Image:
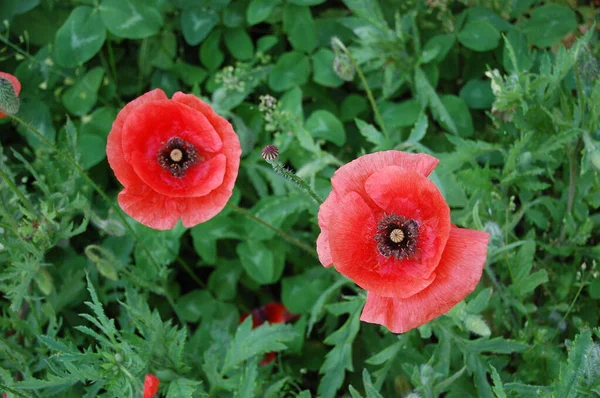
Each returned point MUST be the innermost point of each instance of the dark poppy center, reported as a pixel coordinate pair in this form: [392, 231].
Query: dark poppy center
[176, 156]
[397, 236]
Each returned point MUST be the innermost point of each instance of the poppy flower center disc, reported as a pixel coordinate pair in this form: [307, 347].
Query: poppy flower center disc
[397, 236]
[176, 156]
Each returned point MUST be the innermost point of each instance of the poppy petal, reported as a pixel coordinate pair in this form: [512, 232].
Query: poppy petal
[231, 144]
[325, 212]
[199, 209]
[146, 206]
[114, 150]
[411, 195]
[148, 129]
[457, 275]
[151, 384]
[352, 176]
[352, 230]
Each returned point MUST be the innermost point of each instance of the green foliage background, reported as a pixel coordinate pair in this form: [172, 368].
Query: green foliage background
[92, 301]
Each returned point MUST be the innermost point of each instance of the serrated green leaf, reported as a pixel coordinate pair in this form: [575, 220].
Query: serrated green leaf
[248, 342]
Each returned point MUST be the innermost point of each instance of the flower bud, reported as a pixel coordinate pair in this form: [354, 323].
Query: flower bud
[270, 153]
[342, 65]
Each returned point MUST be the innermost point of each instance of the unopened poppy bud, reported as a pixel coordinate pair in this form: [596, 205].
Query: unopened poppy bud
[270, 153]
[342, 65]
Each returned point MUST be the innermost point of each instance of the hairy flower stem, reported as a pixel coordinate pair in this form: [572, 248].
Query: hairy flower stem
[363, 80]
[278, 231]
[72, 163]
[282, 171]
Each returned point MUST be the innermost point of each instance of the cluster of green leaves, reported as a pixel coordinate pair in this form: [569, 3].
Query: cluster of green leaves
[486, 86]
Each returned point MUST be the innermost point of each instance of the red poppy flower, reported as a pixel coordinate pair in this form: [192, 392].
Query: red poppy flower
[387, 227]
[151, 384]
[15, 83]
[176, 158]
[273, 313]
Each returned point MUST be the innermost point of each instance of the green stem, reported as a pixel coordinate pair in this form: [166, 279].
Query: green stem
[370, 96]
[282, 171]
[278, 231]
[17, 192]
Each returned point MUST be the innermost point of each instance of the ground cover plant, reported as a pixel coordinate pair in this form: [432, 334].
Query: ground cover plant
[440, 118]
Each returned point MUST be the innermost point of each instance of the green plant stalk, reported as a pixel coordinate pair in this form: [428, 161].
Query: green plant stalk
[282, 171]
[278, 231]
[370, 96]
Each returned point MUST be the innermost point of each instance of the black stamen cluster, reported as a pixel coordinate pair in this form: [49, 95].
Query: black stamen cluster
[188, 158]
[403, 249]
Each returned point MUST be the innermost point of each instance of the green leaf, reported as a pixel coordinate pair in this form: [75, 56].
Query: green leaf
[9, 99]
[573, 373]
[324, 124]
[400, 114]
[196, 24]
[419, 129]
[306, 2]
[210, 54]
[498, 388]
[299, 293]
[323, 73]
[183, 388]
[239, 43]
[352, 107]
[428, 97]
[92, 149]
[549, 23]
[80, 98]
[162, 245]
[339, 359]
[528, 284]
[441, 45]
[292, 69]
[477, 94]
[479, 36]
[80, 37]
[480, 302]
[521, 50]
[460, 114]
[248, 342]
[130, 19]
[373, 135]
[300, 27]
[259, 10]
[257, 260]
[37, 114]
[497, 345]
[224, 279]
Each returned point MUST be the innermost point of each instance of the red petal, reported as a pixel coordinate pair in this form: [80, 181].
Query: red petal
[352, 176]
[410, 194]
[277, 313]
[114, 150]
[151, 384]
[148, 207]
[151, 126]
[325, 212]
[269, 357]
[352, 229]
[457, 275]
